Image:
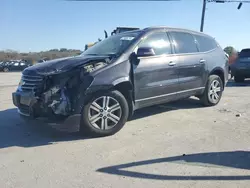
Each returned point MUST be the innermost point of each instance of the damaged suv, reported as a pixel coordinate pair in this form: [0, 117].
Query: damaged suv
[101, 88]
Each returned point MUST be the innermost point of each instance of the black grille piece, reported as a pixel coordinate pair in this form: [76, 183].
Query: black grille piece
[31, 83]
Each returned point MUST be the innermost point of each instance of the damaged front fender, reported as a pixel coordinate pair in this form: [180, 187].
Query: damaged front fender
[102, 80]
[61, 106]
[71, 94]
[111, 76]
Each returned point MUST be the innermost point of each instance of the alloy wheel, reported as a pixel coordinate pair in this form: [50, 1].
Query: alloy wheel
[104, 113]
[214, 91]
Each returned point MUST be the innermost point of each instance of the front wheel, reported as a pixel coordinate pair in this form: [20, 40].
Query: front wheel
[213, 91]
[105, 114]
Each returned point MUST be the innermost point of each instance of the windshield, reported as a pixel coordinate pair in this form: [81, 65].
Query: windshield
[113, 45]
[245, 53]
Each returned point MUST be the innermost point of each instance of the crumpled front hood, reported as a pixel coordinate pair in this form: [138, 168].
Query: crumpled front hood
[57, 66]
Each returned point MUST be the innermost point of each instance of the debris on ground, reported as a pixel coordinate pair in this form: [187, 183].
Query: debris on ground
[224, 110]
[238, 115]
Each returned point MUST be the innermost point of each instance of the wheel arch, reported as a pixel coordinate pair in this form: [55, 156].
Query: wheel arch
[127, 89]
[219, 72]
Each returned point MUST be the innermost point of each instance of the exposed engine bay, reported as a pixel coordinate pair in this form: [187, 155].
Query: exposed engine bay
[58, 94]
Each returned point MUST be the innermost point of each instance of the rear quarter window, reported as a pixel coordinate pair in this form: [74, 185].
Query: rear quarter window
[205, 43]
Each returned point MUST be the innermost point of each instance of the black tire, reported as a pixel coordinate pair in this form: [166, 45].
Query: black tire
[205, 98]
[5, 69]
[87, 128]
[238, 79]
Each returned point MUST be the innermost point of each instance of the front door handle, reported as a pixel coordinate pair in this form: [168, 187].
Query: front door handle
[171, 63]
[202, 61]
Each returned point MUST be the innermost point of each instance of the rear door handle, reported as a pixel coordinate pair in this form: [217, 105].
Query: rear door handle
[202, 61]
[171, 63]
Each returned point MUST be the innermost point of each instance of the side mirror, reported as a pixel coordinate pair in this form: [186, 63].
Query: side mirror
[145, 52]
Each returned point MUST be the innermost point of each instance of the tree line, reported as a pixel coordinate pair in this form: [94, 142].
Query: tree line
[8, 55]
[232, 53]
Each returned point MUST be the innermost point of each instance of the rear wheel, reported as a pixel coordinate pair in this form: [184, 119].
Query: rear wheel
[238, 78]
[213, 91]
[105, 114]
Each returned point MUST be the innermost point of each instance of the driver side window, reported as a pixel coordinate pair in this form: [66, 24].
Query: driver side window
[159, 42]
[16, 64]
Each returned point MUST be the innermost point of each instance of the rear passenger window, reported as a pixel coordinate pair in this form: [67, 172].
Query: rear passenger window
[205, 43]
[184, 42]
[159, 42]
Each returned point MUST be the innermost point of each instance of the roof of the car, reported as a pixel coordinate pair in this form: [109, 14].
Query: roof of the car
[155, 28]
[173, 28]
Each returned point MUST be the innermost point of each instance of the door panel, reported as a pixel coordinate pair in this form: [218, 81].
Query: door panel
[191, 72]
[192, 66]
[156, 77]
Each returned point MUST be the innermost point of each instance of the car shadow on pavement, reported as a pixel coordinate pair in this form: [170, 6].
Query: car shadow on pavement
[235, 159]
[232, 83]
[15, 131]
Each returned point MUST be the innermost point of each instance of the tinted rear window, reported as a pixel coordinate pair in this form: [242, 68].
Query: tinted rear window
[245, 53]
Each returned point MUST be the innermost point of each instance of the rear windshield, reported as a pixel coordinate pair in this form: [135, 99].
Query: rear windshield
[245, 53]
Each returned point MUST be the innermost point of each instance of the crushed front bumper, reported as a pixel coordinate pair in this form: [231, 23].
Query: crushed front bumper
[25, 102]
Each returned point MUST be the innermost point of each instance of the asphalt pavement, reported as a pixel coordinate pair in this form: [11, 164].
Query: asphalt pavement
[180, 144]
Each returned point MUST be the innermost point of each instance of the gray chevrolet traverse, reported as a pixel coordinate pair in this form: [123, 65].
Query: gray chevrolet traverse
[101, 88]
